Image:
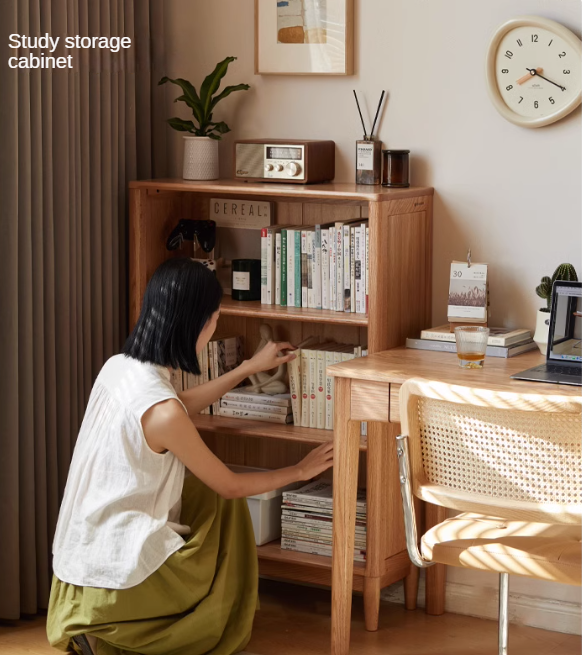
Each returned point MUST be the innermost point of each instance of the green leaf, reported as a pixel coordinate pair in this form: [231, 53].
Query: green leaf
[216, 137]
[227, 91]
[221, 128]
[181, 125]
[190, 96]
[212, 82]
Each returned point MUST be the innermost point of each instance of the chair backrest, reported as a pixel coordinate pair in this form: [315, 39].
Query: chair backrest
[504, 454]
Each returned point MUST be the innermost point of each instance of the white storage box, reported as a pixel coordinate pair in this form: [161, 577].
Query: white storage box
[265, 509]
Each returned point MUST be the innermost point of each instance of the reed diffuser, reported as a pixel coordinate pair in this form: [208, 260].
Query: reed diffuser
[368, 151]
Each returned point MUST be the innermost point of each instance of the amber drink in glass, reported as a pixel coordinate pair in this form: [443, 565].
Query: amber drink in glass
[471, 345]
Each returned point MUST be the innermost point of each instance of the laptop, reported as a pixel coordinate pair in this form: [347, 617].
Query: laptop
[564, 355]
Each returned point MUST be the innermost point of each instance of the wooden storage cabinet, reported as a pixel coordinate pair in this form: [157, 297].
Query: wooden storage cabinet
[400, 245]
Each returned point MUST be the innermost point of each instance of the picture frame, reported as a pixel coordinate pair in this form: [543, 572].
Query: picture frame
[304, 37]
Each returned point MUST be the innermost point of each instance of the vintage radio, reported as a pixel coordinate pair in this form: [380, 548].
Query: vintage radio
[277, 160]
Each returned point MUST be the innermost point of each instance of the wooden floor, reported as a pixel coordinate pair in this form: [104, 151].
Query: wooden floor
[295, 621]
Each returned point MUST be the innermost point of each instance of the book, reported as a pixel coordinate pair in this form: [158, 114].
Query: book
[305, 255]
[352, 269]
[324, 263]
[320, 493]
[367, 264]
[339, 267]
[332, 268]
[347, 269]
[292, 519]
[290, 244]
[491, 351]
[312, 386]
[497, 336]
[297, 268]
[304, 388]
[278, 268]
[205, 375]
[310, 265]
[320, 390]
[315, 549]
[265, 416]
[284, 267]
[329, 388]
[272, 232]
[294, 374]
[264, 258]
[242, 394]
[256, 407]
[317, 269]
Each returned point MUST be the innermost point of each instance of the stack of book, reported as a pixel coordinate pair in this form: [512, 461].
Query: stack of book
[312, 389]
[317, 266]
[306, 520]
[244, 404]
[502, 342]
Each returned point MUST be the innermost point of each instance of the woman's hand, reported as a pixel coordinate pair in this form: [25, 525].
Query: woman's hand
[268, 357]
[318, 461]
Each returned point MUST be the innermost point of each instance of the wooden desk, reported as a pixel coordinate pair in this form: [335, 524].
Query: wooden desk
[367, 389]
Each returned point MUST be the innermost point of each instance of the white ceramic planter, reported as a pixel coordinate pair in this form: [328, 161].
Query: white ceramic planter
[200, 158]
[542, 329]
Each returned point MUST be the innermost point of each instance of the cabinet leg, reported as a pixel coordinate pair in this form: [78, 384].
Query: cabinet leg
[371, 603]
[411, 588]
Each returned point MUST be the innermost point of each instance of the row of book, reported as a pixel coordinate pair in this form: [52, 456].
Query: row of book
[221, 354]
[306, 520]
[502, 342]
[319, 266]
[312, 389]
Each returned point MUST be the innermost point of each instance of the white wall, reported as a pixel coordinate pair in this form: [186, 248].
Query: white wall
[512, 194]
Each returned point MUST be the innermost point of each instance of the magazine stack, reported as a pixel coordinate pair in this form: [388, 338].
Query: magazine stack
[242, 403]
[306, 520]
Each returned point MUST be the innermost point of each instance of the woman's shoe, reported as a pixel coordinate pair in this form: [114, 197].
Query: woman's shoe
[83, 644]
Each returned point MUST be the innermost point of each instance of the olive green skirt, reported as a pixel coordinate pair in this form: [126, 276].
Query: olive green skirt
[201, 601]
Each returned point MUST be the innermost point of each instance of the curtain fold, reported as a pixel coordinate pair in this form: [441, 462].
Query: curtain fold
[71, 139]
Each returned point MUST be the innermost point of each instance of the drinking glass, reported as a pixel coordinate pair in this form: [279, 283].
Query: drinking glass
[471, 345]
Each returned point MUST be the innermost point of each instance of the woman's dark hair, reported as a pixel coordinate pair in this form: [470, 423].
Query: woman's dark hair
[178, 301]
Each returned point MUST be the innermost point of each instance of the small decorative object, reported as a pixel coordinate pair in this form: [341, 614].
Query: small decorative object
[471, 345]
[188, 229]
[201, 150]
[564, 272]
[468, 293]
[368, 151]
[269, 382]
[240, 212]
[396, 168]
[304, 37]
[246, 279]
[533, 71]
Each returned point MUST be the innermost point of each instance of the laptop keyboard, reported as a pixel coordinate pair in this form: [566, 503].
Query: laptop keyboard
[564, 370]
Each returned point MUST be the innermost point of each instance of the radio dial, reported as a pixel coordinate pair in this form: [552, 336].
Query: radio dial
[293, 169]
[268, 167]
[278, 168]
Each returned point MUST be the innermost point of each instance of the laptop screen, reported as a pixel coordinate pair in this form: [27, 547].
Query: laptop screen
[567, 333]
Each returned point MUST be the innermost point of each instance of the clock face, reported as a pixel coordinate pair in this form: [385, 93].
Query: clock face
[555, 64]
[534, 71]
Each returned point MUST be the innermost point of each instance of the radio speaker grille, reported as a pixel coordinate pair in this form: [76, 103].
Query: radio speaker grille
[250, 160]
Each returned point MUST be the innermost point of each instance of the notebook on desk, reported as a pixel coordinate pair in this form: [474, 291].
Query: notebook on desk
[564, 354]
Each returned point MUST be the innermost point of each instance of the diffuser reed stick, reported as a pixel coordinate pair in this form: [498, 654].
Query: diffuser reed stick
[376, 117]
[361, 117]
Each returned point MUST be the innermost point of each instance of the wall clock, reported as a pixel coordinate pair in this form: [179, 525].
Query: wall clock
[534, 71]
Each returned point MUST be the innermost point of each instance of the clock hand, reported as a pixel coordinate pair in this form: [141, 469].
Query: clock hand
[528, 76]
[534, 72]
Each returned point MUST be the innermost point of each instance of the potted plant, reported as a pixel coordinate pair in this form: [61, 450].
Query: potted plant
[565, 272]
[201, 149]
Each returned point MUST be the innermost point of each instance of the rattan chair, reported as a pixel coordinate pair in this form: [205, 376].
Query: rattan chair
[512, 464]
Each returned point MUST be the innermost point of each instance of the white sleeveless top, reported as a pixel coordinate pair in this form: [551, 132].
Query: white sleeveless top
[117, 521]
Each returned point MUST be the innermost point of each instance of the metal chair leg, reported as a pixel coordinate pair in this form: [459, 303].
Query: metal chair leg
[503, 612]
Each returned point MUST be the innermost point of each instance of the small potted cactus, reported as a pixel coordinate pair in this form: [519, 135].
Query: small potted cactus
[564, 272]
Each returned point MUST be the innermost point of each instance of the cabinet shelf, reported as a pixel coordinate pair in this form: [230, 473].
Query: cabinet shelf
[255, 309]
[247, 428]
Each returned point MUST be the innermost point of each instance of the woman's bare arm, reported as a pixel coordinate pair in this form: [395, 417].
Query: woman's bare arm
[166, 426]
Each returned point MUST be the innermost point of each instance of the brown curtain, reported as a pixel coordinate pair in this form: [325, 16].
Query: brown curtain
[70, 140]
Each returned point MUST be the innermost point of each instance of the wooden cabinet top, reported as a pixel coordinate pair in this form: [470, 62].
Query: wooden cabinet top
[329, 191]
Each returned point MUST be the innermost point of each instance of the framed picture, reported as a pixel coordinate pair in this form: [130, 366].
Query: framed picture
[304, 37]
